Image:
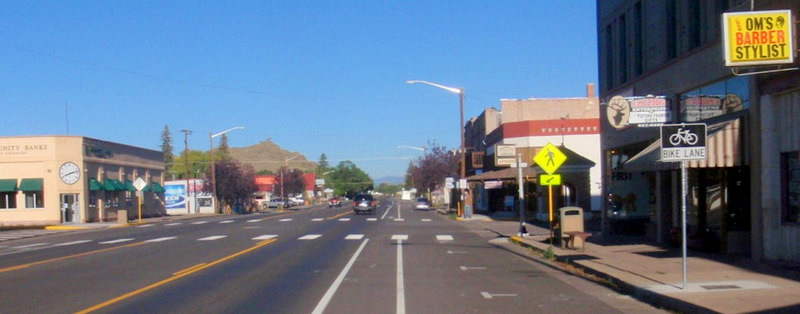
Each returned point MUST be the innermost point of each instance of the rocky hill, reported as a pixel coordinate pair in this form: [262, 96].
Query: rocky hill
[269, 156]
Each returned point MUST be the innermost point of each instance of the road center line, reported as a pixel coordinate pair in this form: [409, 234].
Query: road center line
[176, 275]
[323, 303]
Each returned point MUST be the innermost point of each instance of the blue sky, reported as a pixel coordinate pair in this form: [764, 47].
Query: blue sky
[313, 76]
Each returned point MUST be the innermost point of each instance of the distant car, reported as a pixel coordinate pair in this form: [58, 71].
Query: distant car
[297, 201]
[335, 201]
[364, 203]
[276, 202]
[422, 204]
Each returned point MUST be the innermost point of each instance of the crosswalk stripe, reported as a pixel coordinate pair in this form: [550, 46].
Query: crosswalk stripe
[444, 238]
[426, 220]
[226, 221]
[309, 237]
[285, 219]
[354, 237]
[144, 226]
[254, 220]
[344, 219]
[265, 237]
[174, 224]
[199, 222]
[400, 237]
[212, 238]
[372, 219]
[318, 219]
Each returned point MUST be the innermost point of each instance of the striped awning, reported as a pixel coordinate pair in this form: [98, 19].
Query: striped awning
[723, 149]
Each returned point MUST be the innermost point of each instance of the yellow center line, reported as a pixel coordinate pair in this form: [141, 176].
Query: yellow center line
[339, 215]
[66, 257]
[176, 276]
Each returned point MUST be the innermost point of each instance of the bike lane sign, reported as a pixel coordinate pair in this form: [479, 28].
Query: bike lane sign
[685, 141]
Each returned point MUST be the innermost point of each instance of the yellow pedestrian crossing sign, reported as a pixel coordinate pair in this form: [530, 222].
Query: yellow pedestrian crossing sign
[550, 158]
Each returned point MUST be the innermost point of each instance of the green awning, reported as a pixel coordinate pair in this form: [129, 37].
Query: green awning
[8, 185]
[95, 185]
[31, 185]
[157, 188]
[113, 185]
[129, 186]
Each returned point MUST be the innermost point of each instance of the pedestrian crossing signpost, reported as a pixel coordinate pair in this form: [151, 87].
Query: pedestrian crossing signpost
[683, 142]
[550, 158]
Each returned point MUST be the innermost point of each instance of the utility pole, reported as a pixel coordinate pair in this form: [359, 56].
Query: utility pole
[186, 134]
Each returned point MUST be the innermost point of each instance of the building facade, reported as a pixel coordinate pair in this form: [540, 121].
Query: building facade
[663, 62]
[524, 126]
[46, 180]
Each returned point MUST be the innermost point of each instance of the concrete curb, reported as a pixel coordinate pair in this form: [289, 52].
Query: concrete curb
[615, 283]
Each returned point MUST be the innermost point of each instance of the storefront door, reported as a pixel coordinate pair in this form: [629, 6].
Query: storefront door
[70, 212]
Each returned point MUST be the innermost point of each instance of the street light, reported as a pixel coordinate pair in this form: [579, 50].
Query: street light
[211, 137]
[286, 161]
[460, 92]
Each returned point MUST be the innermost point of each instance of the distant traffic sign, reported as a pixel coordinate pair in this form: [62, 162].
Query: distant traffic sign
[550, 158]
[681, 142]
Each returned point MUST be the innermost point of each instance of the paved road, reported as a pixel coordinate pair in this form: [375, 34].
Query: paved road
[313, 260]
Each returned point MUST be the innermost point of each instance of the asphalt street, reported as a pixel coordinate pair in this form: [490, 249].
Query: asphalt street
[314, 260]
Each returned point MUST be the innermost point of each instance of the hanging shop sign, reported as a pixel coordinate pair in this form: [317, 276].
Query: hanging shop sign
[758, 37]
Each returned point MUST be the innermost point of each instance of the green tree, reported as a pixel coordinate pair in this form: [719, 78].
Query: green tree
[323, 165]
[199, 163]
[388, 189]
[224, 150]
[348, 179]
[166, 148]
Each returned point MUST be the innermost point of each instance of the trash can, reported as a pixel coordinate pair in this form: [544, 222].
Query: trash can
[571, 221]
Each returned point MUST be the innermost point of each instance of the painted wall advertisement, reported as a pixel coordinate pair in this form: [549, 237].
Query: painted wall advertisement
[178, 200]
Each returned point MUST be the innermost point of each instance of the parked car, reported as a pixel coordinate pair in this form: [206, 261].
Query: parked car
[334, 201]
[276, 202]
[297, 201]
[364, 203]
[422, 204]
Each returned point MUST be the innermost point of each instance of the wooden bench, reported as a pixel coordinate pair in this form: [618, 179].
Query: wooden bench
[571, 235]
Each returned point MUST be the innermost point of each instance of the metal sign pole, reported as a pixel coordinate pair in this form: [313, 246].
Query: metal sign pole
[684, 193]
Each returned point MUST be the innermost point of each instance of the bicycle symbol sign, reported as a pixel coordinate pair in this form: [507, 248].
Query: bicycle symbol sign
[681, 142]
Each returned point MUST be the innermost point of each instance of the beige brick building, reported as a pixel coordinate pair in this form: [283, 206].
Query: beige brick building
[46, 180]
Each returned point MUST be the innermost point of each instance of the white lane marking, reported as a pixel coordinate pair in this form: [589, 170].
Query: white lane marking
[254, 220]
[116, 241]
[285, 219]
[309, 237]
[174, 224]
[426, 220]
[266, 237]
[212, 238]
[323, 303]
[398, 213]
[399, 219]
[472, 268]
[372, 219]
[161, 239]
[401, 290]
[354, 237]
[386, 212]
[199, 222]
[487, 295]
[456, 252]
[226, 221]
[30, 245]
[318, 219]
[400, 237]
[144, 226]
[444, 237]
[72, 243]
[344, 219]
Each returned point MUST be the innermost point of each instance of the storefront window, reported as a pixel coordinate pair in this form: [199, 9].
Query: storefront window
[34, 199]
[716, 99]
[790, 186]
[8, 200]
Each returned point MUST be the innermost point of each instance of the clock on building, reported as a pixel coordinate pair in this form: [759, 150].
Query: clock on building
[69, 173]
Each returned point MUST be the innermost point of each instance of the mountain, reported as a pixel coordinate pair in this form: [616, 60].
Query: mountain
[269, 156]
[389, 180]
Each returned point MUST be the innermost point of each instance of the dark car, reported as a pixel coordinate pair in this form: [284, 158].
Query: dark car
[335, 201]
[422, 204]
[364, 203]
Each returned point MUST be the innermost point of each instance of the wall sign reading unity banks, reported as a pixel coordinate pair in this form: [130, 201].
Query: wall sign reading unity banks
[681, 142]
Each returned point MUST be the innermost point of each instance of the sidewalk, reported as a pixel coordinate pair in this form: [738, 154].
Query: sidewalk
[654, 274]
